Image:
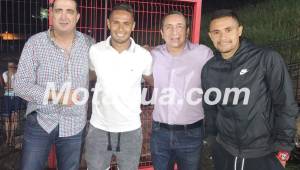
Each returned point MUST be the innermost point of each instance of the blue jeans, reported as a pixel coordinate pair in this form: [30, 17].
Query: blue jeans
[37, 143]
[180, 146]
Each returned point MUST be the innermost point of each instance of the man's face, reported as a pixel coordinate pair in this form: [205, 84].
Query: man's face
[120, 24]
[225, 33]
[11, 66]
[174, 31]
[65, 16]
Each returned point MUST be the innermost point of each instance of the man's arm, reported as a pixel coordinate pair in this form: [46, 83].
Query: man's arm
[210, 111]
[149, 80]
[147, 73]
[92, 75]
[25, 84]
[284, 105]
[5, 80]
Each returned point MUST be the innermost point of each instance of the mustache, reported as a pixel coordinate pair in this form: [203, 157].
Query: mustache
[220, 42]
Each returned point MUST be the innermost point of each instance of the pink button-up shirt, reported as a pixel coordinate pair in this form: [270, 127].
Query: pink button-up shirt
[177, 80]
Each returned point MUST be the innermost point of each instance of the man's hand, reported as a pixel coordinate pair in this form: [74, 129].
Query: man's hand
[149, 80]
[67, 99]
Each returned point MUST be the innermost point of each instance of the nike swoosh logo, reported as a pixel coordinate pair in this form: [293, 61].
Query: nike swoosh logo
[243, 71]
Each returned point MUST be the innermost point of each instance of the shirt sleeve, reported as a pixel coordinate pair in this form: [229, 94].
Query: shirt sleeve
[25, 81]
[91, 63]
[284, 105]
[5, 77]
[210, 111]
[148, 64]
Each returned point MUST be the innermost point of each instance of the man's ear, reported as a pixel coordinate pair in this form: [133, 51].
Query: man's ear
[187, 32]
[162, 33]
[240, 30]
[133, 26]
[209, 34]
[78, 17]
[108, 23]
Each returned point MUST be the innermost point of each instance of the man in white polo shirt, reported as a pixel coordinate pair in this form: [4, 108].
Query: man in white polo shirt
[120, 64]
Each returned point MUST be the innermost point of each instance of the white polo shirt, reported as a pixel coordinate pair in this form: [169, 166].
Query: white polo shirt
[117, 96]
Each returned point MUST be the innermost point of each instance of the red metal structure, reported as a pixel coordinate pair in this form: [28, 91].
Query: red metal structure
[148, 15]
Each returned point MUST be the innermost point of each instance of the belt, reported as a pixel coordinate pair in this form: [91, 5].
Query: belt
[181, 127]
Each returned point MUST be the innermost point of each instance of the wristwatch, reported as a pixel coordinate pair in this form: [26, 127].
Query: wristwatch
[283, 155]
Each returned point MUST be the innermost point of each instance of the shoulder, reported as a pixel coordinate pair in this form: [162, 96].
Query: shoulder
[5, 76]
[142, 52]
[37, 38]
[271, 57]
[212, 62]
[271, 53]
[100, 46]
[4, 73]
[201, 48]
[195, 46]
[199, 52]
[88, 39]
[139, 49]
[157, 49]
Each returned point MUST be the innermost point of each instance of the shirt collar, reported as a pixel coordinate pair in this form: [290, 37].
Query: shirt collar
[130, 49]
[51, 39]
[187, 46]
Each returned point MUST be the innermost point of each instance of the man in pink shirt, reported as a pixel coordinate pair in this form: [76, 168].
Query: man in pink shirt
[178, 114]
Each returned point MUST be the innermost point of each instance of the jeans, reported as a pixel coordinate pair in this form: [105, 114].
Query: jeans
[180, 146]
[37, 143]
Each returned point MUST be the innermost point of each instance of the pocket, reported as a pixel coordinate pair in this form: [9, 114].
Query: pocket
[196, 132]
[155, 126]
[90, 130]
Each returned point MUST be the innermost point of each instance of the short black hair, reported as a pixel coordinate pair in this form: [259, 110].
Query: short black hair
[224, 13]
[123, 7]
[174, 12]
[76, 5]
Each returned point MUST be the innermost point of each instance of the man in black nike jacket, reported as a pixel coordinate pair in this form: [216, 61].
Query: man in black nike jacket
[249, 102]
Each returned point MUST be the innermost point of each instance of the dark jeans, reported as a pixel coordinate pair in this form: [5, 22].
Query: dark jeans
[37, 143]
[223, 160]
[180, 146]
